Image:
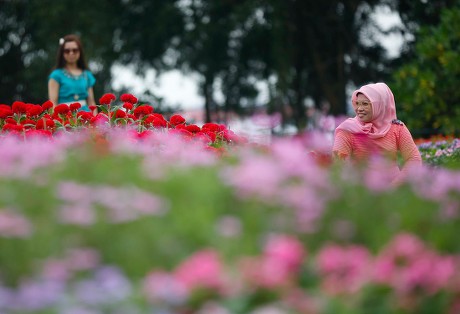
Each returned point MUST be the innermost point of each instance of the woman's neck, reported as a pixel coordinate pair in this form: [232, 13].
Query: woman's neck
[71, 66]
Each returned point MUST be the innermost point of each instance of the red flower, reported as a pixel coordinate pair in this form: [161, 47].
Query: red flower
[143, 134]
[92, 108]
[56, 118]
[106, 99]
[75, 106]
[128, 98]
[193, 128]
[99, 119]
[159, 116]
[120, 114]
[157, 122]
[44, 124]
[61, 109]
[13, 127]
[28, 121]
[128, 106]
[213, 127]
[19, 107]
[143, 110]
[230, 136]
[212, 135]
[85, 115]
[34, 110]
[10, 121]
[176, 119]
[203, 137]
[5, 112]
[38, 134]
[148, 119]
[47, 105]
[181, 131]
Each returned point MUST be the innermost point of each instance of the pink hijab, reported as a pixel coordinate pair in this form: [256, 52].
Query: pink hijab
[383, 110]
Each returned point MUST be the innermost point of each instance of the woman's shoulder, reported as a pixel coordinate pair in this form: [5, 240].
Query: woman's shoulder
[398, 128]
[397, 125]
[88, 72]
[57, 70]
[397, 122]
[90, 77]
[56, 74]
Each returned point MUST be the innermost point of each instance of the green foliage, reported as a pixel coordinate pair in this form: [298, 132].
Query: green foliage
[441, 153]
[198, 200]
[426, 89]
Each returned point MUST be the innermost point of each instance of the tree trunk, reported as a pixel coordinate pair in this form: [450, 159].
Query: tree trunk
[208, 99]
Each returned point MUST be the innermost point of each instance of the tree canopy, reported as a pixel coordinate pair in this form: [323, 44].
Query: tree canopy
[427, 87]
[302, 50]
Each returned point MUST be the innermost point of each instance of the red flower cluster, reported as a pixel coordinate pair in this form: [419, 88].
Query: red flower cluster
[177, 119]
[142, 110]
[22, 118]
[128, 98]
[107, 99]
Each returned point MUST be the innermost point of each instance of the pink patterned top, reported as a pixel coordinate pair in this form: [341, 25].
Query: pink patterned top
[361, 147]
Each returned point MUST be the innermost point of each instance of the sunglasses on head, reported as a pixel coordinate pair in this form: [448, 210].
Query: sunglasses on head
[73, 50]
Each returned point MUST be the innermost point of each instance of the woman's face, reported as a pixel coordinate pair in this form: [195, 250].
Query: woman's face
[71, 52]
[363, 108]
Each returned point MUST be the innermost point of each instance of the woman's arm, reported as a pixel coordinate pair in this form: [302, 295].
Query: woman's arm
[53, 91]
[342, 148]
[90, 100]
[409, 150]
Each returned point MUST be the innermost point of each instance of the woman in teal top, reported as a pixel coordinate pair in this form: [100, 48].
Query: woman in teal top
[71, 81]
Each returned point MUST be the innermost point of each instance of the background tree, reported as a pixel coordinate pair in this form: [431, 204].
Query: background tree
[427, 87]
[303, 50]
[111, 32]
[33, 29]
[317, 49]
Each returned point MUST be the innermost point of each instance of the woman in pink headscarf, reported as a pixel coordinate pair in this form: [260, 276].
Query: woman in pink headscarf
[375, 130]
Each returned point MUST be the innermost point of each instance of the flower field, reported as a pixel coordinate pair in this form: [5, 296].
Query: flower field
[132, 212]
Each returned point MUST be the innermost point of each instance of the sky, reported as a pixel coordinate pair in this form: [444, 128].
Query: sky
[182, 90]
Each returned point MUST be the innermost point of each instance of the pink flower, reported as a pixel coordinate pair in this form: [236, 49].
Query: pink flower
[77, 215]
[407, 265]
[82, 259]
[161, 286]
[286, 250]
[344, 269]
[56, 269]
[265, 272]
[256, 176]
[14, 225]
[201, 270]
